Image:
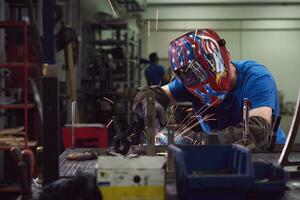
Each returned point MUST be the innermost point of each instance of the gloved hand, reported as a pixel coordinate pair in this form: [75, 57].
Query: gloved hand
[259, 129]
[161, 103]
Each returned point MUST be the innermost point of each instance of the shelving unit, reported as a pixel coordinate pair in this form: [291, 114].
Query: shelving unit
[114, 37]
[20, 66]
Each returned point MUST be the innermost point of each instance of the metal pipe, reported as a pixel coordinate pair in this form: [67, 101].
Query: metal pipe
[73, 113]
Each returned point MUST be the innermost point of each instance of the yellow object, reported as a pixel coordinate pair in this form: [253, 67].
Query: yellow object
[138, 178]
[132, 192]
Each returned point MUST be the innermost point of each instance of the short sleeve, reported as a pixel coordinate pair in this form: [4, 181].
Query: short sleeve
[262, 91]
[178, 91]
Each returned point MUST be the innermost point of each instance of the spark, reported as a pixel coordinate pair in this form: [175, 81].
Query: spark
[112, 8]
[109, 123]
[195, 34]
[173, 111]
[198, 113]
[109, 100]
[189, 138]
[186, 129]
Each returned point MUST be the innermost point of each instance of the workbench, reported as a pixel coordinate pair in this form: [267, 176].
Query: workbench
[71, 168]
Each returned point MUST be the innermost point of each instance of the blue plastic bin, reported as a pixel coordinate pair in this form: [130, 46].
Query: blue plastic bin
[269, 181]
[213, 172]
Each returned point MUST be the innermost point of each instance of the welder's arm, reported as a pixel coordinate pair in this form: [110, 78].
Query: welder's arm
[264, 112]
[167, 91]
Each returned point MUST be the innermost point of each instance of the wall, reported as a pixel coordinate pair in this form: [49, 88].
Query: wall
[269, 34]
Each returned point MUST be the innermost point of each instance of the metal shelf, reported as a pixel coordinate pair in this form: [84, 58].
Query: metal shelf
[10, 24]
[12, 188]
[15, 65]
[114, 42]
[31, 144]
[17, 106]
[24, 26]
[107, 25]
[109, 42]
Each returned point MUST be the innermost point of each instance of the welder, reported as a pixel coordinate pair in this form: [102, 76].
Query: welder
[206, 77]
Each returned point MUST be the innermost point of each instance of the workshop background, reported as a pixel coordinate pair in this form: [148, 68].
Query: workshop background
[94, 53]
[266, 31]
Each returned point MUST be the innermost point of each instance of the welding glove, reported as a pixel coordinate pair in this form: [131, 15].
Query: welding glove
[161, 103]
[259, 129]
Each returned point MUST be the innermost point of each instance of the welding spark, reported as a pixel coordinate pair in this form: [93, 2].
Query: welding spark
[186, 124]
[187, 137]
[189, 109]
[109, 100]
[189, 127]
[109, 123]
[173, 111]
[195, 34]
[112, 8]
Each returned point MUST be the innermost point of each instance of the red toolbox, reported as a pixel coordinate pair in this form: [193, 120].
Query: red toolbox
[85, 136]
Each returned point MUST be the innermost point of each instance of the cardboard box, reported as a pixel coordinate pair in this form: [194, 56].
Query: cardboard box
[131, 178]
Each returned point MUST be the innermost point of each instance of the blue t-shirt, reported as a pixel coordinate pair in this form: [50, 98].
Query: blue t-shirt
[254, 82]
[154, 74]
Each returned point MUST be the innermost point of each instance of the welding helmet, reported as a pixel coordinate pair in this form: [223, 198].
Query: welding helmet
[201, 61]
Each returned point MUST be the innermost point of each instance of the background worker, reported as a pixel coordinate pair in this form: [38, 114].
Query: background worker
[215, 85]
[154, 73]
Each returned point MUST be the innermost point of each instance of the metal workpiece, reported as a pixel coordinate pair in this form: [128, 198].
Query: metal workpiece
[170, 160]
[150, 125]
[246, 107]
[73, 113]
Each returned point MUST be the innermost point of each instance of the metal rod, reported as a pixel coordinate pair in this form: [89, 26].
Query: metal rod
[112, 8]
[156, 20]
[148, 28]
[150, 125]
[73, 113]
[246, 119]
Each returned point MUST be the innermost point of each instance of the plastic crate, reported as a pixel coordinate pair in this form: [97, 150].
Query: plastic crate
[269, 181]
[212, 171]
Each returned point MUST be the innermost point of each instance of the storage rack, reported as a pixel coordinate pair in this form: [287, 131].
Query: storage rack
[122, 36]
[20, 66]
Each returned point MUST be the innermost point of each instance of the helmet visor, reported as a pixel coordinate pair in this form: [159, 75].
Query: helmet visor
[193, 74]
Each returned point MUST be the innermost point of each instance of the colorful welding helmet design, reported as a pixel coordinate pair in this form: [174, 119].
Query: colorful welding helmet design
[201, 62]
